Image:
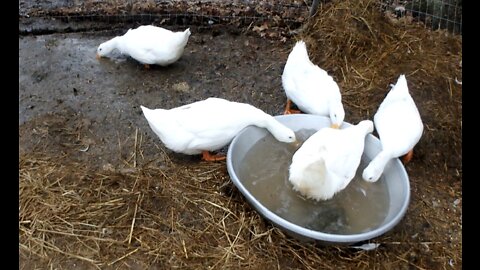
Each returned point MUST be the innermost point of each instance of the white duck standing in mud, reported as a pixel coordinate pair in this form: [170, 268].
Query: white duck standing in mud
[148, 44]
[209, 125]
[399, 127]
[328, 160]
[310, 87]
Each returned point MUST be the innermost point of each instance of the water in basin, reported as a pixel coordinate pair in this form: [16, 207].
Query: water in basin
[360, 207]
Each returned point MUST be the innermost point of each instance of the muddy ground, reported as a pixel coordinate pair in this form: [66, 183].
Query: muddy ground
[89, 164]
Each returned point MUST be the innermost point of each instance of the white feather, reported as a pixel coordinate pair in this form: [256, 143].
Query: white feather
[328, 160]
[310, 87]
[210, 124]
[148, 44]
[399, 126]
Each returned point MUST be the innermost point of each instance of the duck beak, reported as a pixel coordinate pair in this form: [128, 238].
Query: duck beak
[98, 56]
[335, 126]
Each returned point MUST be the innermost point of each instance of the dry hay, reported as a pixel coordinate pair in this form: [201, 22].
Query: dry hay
[188, 217]
[149, 214]
[172, 217]
[365, 50]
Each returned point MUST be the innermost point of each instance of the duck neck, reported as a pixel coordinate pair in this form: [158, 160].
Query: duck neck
[381, 160]
[273, 126]
[111, 45]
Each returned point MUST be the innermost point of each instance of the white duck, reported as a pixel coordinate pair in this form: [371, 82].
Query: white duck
[148, 44]
[399, 127]
[328, 160]
[209, 125]
[310, 87]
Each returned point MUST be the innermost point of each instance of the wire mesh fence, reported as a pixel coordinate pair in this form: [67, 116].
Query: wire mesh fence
[435, 14]
[203, 13]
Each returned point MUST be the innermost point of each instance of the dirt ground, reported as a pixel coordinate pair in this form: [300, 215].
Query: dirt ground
[98, 190]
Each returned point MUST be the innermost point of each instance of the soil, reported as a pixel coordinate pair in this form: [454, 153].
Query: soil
[80, 123]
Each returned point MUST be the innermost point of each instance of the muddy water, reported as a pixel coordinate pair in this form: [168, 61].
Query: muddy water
[358, 208]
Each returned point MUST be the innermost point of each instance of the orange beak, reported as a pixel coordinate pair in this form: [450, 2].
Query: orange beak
[98, 56]
[335, 126]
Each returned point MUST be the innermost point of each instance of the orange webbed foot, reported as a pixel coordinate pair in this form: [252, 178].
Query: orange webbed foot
[209, 157]
[407, 157]
[292, 112]
[288, 110]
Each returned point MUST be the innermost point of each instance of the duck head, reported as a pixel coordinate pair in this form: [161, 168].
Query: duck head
[337, 114]
[107, 47]
[284, 134]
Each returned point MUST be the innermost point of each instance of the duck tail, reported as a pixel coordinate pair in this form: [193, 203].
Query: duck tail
[299, 51]
[187, 32]
[144, 109]
[367, 126]
[157, 118]
[401, 82]
[148, 113]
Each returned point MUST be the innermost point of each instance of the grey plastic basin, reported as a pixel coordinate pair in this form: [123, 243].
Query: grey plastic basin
[395, 175]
